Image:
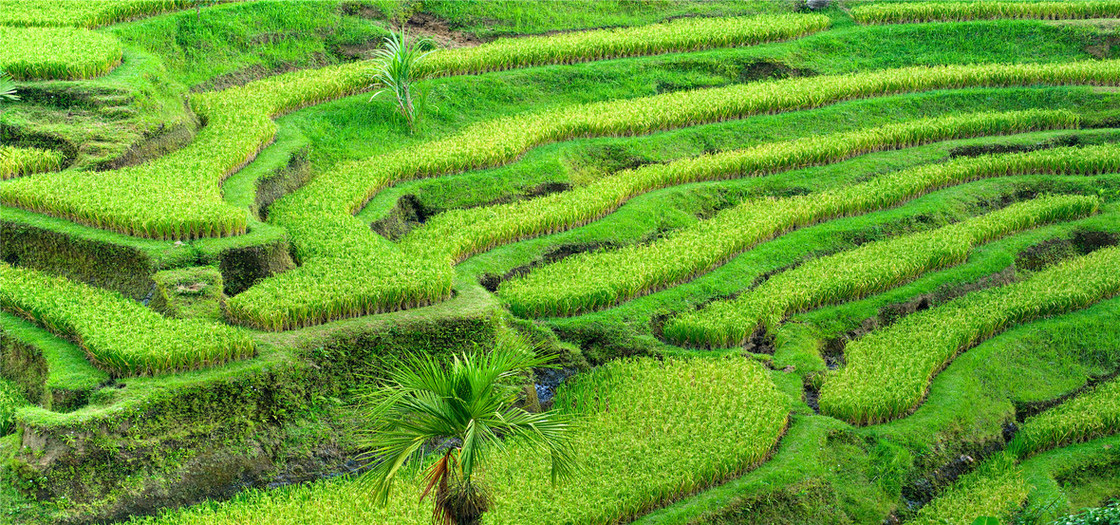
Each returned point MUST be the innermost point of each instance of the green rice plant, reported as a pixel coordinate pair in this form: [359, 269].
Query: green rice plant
[687, 34]
[1090, 415]
[905, 12]
[10, 399]
[118, 334]
[17, 161]
[645, 431]
[178, 196]
[869, 269]
[888, 371]
[40, 53]
[86, 13]
[592, 281]
[319, 215]
[996, 488]
[462, 233]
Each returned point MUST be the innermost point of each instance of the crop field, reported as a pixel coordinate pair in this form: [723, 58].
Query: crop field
[511, 262]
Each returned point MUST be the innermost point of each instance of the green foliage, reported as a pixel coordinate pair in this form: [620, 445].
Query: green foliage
[398, 66]
[645, 431]
[937, 11]
[470, 401]
[889, 370]
[1107, 515]
[1092, 414]
[87, 13]
[41, 53]
[10, 400]
[461, 233]
[591, 281]
[995, 488]
[869, 269]
[18, 161]
[686, 34]
[118, 334]
[336, 248]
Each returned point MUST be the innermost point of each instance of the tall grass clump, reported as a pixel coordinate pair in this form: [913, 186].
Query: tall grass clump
[996, 488]
[396, 72]
[1090, 415]
[888, 371]
[118, 334]
[934, 11]
[43, 53]
[318, 216]
[869, 269]
[19, 161]
[591, 281]
[461, 233]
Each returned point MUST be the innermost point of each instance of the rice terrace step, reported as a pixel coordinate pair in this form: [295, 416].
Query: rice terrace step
[511, 262]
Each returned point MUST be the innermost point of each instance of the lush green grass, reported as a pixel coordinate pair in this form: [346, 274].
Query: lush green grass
[1062, 479]
[870, 269]
[118, 334]
[1090, 415]
[68, 372]
[888, 371]
[936, 11]
[591, 281]
[648, 432]
[465, 232]
[996, 489]
[10, 399]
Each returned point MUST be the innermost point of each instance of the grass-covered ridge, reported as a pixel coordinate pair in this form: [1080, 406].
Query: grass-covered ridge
[869, 269]
[592, 281]
[941, 11]
[888, 371]
[119, 335]
[649, 432]
[329, 239]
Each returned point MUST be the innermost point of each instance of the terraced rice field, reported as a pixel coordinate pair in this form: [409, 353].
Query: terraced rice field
[854, 263]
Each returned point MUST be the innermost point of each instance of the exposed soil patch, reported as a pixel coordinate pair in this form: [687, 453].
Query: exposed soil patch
[254, 72]
[548, 380]
[976, 150]
[769, 69]
[1052, 251]
[760, 342]
[492, 281]
[812, 393]
[440, 31]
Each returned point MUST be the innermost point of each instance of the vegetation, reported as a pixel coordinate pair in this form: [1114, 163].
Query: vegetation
[57, 53]
[397, 69]
[645, 431]
[1088, 416]
[119, 335]
[996, 488]
[592, 281]
[871, 268]
[937, 11]
[87, 14]
[15, 161]
[794, 268]
[888, 371]
[469, 407]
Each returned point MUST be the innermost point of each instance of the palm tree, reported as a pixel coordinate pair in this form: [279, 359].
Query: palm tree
[7, 93]
[397, 68]
[458, 414]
